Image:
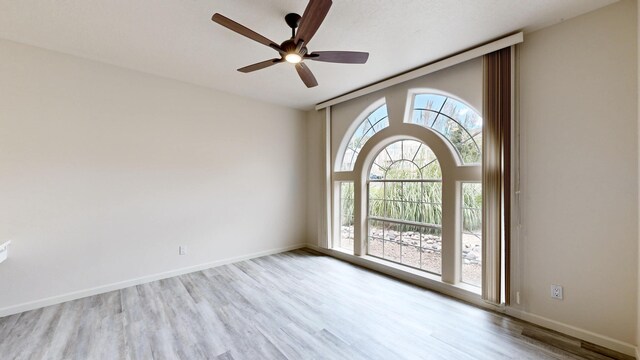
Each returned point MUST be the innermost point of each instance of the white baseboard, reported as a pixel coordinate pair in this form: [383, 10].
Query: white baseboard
[53, 300]
[582, 334]
[424, 281]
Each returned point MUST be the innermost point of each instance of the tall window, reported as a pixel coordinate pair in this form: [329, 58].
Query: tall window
[405, 206]
[346, 215]
[471, 234]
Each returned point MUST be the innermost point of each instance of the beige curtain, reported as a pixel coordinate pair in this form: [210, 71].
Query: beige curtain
[496, 172]
[325, 213]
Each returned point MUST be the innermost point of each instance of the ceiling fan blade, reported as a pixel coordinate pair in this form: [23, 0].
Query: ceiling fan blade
[260, 65]
[306, 75]
[312, 18]
[244, 31]
[343, 57]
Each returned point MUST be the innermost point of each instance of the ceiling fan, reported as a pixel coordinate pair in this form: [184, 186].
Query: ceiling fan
[295, 49]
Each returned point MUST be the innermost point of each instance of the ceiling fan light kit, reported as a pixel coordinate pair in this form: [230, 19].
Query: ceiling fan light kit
[294, 50]
[293, 58]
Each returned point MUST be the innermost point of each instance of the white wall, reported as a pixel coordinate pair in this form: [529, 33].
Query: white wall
[578, 83]
[105, 171]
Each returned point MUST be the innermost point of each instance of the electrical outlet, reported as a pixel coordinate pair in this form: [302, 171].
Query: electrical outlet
[556, 292]
[182, 250]
[518, 297]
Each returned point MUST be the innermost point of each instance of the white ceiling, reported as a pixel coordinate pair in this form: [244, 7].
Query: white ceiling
[178, 40]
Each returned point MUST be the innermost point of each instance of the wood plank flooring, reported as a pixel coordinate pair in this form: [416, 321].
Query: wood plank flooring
[294, 305]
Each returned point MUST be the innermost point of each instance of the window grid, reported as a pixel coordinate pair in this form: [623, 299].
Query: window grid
[418, 247]
[404, 219]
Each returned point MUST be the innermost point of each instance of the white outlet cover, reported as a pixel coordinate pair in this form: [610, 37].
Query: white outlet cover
[4, 251]
[182, 250]
[556, 292]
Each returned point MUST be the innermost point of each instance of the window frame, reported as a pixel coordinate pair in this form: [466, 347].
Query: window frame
[453, 171]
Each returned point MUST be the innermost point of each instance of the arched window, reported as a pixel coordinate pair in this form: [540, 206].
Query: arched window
[454, 120]
[405, 206]
[413, 196]
[374, 122]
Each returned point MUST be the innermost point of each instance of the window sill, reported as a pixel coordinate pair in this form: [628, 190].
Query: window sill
[344, 251]
[421, 278]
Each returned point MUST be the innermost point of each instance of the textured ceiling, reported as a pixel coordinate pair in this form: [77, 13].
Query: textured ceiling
[178, 40]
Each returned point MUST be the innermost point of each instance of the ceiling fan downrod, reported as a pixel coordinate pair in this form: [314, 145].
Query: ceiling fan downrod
[293, 20]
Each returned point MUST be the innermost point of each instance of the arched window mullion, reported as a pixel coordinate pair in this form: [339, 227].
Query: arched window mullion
[471, 138]
[439, 112]
[380, 120]
[388, 154]
[370, 124]
[401, 160]
[353, 155]
[461, 126]
[416, 154]
[429, 163]
[425, 109]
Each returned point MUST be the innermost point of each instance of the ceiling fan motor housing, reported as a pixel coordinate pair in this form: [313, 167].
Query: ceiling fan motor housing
[290, 47]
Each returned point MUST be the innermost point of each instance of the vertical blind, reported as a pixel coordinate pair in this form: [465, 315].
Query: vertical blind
[496, 171]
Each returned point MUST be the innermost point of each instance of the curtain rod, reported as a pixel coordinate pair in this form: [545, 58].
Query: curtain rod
[428, 69]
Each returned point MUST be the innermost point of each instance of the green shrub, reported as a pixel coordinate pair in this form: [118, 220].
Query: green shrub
[414, 201]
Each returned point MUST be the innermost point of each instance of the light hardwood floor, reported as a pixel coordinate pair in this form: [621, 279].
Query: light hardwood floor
[295, 305]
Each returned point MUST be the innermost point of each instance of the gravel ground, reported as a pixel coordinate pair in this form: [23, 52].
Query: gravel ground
[406, 248]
